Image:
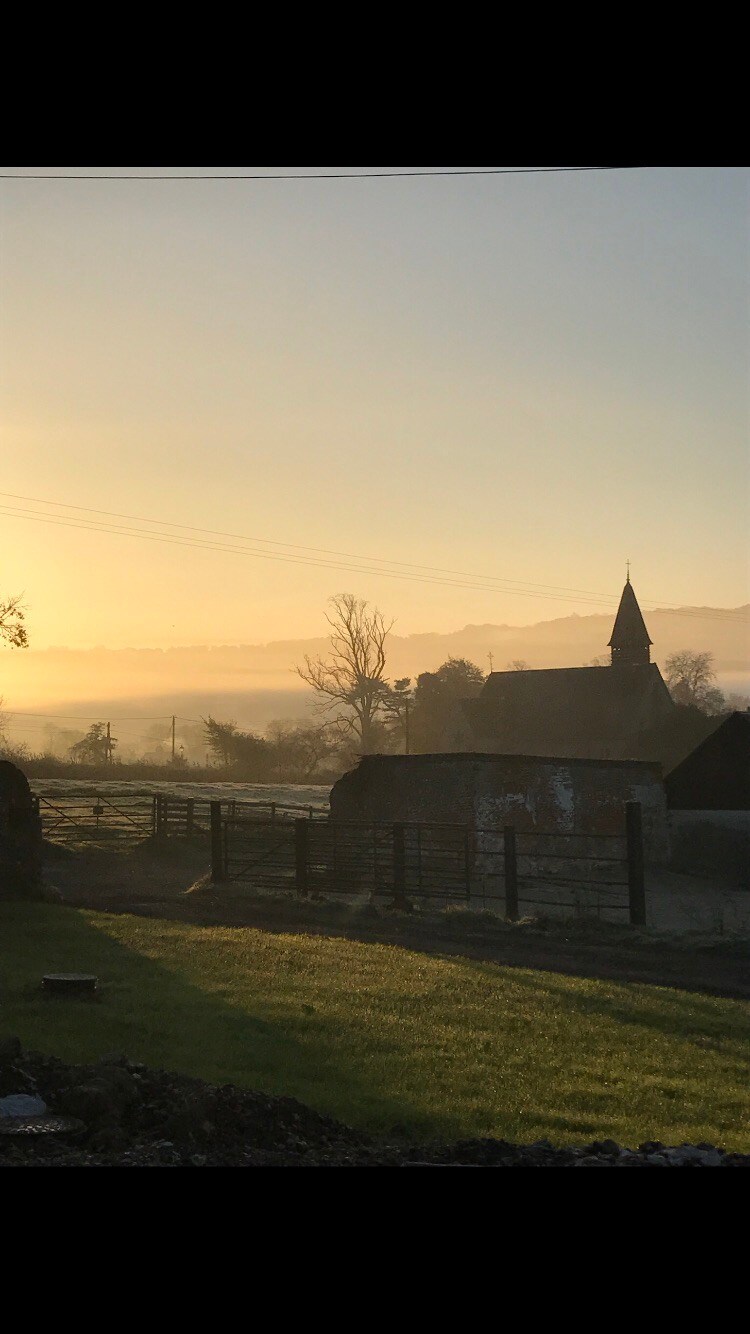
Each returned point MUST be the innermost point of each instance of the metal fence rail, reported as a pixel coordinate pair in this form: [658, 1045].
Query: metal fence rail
[98, 819]
[95, 819]
[269, 846]
[503, 868]
[583, 870]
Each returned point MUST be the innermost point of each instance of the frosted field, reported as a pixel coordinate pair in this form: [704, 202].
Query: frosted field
[284, 794]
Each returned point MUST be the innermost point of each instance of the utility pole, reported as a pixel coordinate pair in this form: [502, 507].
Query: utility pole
[109, 745]
[173, 723]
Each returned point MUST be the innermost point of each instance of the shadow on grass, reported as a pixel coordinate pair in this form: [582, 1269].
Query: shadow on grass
[150, 1011]
[373, 1038]
[672, 1013]
[574, 949]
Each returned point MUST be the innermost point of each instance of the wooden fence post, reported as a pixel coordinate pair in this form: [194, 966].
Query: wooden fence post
[301, 831]
[511, 874]
[399, 866]
[636, 880]
[218, 867]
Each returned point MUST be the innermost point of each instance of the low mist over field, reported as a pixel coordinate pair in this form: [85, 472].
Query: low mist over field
[256, 683]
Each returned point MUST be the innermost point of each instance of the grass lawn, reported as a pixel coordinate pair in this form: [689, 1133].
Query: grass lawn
[383, 1038]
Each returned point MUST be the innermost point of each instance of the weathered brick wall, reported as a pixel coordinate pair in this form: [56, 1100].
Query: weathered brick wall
[488, 791]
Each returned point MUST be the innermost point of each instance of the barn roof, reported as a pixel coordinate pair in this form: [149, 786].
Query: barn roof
[716, 775]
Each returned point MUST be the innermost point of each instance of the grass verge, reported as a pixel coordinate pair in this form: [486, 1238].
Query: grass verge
[384, 1038]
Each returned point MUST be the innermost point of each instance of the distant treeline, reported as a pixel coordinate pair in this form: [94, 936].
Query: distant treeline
[406, 718]
[410, 718]
[126, 771]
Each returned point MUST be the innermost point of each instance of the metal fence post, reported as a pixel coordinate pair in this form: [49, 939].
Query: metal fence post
[218, 869]
[467, 861]
[636, 880]
[511, 874]
[301, 831]
[399, 866]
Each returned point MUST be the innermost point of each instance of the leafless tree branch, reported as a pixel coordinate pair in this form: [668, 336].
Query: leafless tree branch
[12, 628]
[353, 675]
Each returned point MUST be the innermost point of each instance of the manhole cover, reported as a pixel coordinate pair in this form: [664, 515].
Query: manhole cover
[70, 984]
[26, 1126]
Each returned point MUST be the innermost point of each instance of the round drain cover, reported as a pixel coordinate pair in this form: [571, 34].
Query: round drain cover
[70, 984]
[27, 1126]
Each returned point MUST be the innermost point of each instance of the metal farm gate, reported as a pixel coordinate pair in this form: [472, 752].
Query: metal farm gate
[249, 845]
[495, 868]
[93, 819]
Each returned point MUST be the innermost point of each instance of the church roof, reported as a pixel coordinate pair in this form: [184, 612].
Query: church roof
[629, 627]
[569, 710]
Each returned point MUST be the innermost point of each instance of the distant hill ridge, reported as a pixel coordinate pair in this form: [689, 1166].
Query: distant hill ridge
[255, 682]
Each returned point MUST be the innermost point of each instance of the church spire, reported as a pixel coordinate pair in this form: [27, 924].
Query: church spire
[630, 643]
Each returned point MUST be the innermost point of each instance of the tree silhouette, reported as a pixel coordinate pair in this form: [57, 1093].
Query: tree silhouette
[690, 677]
[12, 617]
[435, 696]
[351, 683]
[95, 748]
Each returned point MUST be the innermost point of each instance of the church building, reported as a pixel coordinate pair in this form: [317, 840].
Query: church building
[579, 712]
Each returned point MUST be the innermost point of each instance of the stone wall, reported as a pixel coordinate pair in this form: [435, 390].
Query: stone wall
[565, 796]
[20, 836]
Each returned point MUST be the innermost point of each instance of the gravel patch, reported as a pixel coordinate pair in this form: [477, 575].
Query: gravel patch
[119, 1113]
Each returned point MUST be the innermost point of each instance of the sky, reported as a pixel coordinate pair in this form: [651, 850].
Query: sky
[528, 378]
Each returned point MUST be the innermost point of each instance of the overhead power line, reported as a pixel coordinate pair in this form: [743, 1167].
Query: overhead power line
[26, 728]
[95, 717]
[288, 547]
[301, 175]
[474, 582]
[504, 584]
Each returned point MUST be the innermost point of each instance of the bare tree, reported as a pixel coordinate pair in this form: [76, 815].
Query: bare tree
[690, 677]
[351, 684]
[517, 665]
[12, 628]
[244, 752]
[301, 748]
